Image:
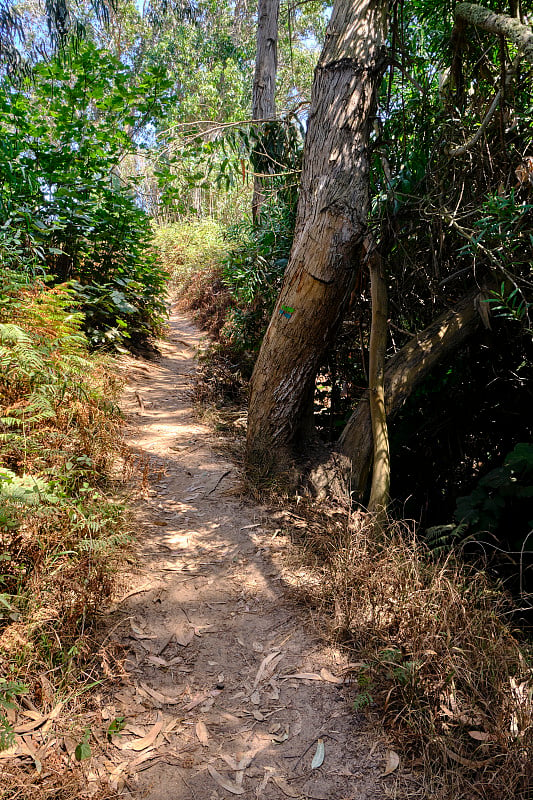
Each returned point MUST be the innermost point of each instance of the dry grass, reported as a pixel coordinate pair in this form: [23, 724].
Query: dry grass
[62, 527]
[57, 782]
[435, 652]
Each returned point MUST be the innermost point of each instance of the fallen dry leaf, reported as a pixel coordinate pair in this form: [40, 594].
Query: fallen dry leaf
[32, 714]
[268, 660]
[225, 783]
[145, 741]
[479, 736]
[51, 717]
[135, 729]
[159, 696]
[262, 786]
[173, 724]
[185, 636]
[246, 761]
[108, 712]
[149, 754]
[467, 762]
[391, 763]
[197, 699]
[296, 727]
[139, 633]
[305, 676]
[202, 733]
[275, 690]
[31, 726]
[328, 676]
[27, 747]
[230, 761]
[157, 661]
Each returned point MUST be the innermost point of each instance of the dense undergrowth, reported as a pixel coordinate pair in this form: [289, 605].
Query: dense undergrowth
[434, 649]
[60, 522]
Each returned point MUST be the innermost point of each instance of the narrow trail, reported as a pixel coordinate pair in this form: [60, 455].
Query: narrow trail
[213, 693]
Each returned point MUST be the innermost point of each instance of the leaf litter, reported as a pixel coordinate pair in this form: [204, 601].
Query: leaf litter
[139, 746]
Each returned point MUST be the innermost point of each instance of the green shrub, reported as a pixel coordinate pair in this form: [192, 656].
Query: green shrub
[501, 504]
[253, 272]
[65, 208]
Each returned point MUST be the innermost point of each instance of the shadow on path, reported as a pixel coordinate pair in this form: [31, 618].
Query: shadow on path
[213, 696]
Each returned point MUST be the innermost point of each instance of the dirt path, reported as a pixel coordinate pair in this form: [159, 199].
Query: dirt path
[213, 694]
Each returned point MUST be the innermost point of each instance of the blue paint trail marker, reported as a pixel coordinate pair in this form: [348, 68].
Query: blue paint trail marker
[286, 311]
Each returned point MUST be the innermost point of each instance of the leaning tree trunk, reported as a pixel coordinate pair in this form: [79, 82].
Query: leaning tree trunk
[264, 87]
[349, 467]
[500, 24]
[329, 231]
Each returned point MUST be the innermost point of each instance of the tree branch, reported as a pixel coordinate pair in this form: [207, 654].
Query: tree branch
[464, 148]
[499, 24]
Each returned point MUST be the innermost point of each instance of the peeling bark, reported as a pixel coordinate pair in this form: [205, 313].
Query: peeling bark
[330, 228]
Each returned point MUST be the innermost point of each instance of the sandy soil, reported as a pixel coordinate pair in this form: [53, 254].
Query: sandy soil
[215, 695]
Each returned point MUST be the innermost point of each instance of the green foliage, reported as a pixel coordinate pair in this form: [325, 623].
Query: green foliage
[9, 691]
[116, 726]
[501, 503]
[503, 235]
[83, 748]
[441, 538]
[510, 305]
[230, 278]
[205, 162]
[185, 249]
[362, 700]
[486, 506]
[64, 207]
[253, 272]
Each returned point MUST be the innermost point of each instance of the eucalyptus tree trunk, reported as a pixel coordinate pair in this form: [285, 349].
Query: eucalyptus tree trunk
[264, 86]
[329, 232]
[499, 24]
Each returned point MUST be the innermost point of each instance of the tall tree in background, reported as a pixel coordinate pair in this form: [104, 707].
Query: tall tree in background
[329, 234]
[264, 86]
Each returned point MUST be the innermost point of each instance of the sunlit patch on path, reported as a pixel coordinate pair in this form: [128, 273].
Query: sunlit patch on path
[225, 691]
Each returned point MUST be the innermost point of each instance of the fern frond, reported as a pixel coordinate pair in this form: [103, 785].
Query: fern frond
[13, 334]
[441, 538]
